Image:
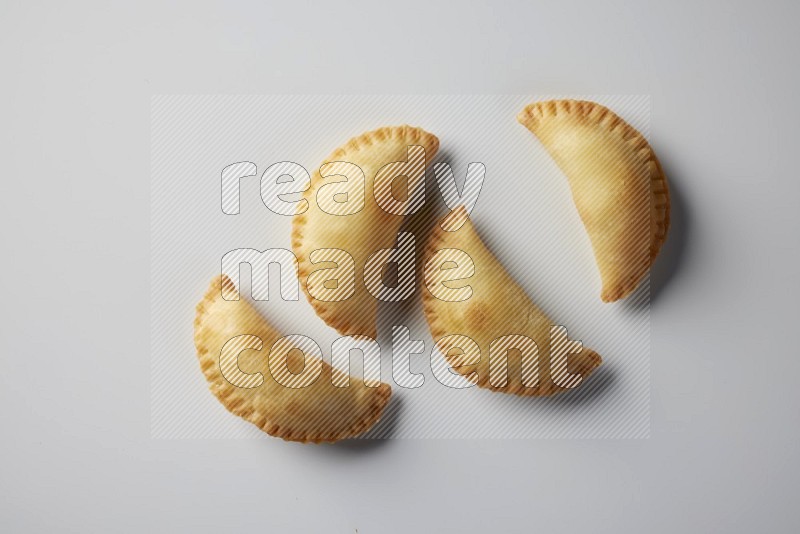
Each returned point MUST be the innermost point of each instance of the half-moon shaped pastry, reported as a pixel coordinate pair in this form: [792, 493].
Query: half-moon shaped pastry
[617, 184]
[493, 325]
[224, 330]
[359, 229]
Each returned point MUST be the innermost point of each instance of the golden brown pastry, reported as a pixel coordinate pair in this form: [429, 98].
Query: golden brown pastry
[617, 184]
[476, 313]
[233, 345]
[338, 219]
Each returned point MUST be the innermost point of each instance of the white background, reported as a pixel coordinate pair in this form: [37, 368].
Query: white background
[76, 453]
